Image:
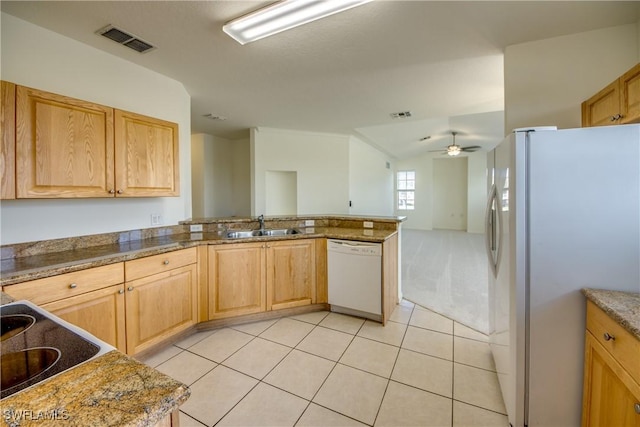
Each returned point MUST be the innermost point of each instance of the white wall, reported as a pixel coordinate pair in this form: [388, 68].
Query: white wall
[320, 160]
[547, 80]
[370, 181]
[212, 176]
[281, 193]
[450, 193]
[35, 57]
[422, 218]
[241, 179]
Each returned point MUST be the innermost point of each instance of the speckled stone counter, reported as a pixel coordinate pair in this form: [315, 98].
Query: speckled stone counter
[36, 260]
[111, 390]
[623, 307]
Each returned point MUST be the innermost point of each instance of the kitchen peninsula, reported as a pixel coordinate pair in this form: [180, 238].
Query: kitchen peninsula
[121, 273]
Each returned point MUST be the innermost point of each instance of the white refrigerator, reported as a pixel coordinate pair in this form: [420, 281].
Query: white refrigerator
[563, 214]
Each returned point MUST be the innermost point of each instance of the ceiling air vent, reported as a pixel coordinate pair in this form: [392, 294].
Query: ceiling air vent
[401, 115]
[126, 39]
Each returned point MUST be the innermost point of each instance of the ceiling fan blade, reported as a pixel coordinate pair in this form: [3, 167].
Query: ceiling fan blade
[471, 148]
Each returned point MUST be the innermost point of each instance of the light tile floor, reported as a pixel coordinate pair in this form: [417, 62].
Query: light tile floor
[329, 369]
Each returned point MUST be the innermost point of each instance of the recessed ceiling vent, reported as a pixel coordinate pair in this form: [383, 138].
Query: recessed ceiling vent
[401, 115]
[212, 116]
[126, 39]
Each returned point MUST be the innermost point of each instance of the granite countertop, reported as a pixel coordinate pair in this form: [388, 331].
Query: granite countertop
[21, 269]
[112, 389]
[623, 307]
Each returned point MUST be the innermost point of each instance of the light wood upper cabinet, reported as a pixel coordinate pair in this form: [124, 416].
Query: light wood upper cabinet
[236, 279]
[64, 146]
[7, 140]
[611, 392]
[146, 156]
[602, 108]
[291, 274]
[630, 95]
[617, 103]
[70, 148]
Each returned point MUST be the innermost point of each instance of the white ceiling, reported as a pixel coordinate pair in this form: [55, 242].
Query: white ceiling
[343, 74]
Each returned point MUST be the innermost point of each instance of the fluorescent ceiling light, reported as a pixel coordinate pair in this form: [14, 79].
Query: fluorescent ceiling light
[283, 16]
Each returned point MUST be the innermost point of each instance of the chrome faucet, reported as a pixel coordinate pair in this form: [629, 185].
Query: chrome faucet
[261, 220]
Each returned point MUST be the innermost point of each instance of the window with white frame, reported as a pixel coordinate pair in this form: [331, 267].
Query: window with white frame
[405, 188]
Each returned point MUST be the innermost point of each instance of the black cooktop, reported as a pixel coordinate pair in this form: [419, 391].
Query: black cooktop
[36, 347]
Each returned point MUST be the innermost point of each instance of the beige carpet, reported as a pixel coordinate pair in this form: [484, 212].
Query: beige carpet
[446, 271]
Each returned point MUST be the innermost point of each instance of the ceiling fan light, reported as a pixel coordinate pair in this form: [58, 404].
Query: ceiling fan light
[453, 150]
[283, 16]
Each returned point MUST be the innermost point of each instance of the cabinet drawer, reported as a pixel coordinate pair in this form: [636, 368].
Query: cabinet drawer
[158, 263]
[624, 347]
[67, 285]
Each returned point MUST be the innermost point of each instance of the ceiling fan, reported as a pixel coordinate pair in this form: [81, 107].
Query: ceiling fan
[454, 149]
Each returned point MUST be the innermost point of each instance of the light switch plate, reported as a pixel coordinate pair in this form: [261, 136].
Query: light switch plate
[194, 228]
[309, 222]
[367, 224]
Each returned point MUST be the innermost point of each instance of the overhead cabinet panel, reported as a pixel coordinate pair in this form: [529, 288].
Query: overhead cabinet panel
[146, 156]
[7, 140]
[64, 146]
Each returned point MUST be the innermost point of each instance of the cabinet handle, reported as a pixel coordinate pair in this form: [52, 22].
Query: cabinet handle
[119, 191]
[73, 286]
[112, 191]
[636, 407]
[121, 291]
[609, 337]
[130, 288]
[616, 117]
[165, 262]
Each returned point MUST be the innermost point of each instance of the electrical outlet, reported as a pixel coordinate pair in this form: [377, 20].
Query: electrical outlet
[156, 219]
[195, 228]
[367, 224]
[309, 222]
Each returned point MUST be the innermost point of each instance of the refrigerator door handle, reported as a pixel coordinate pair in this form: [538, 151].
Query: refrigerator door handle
[493, 230]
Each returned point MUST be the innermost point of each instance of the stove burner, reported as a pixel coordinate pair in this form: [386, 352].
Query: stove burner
[20, 366]
[15, 324]
[35, 347]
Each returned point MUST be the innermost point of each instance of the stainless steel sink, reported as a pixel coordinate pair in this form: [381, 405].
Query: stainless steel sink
[281, 232]
[240, 234]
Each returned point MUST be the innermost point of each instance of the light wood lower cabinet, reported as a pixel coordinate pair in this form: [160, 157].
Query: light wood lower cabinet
[159, 306]
[611, 382]
[246, 278]
[92, 299]
[236, 280]
[291, 273]
[100, 313]
[161, 297]
[158, 299]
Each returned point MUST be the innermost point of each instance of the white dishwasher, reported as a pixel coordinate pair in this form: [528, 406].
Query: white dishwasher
[355, 278]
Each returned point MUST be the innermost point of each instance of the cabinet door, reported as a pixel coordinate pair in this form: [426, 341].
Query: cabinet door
[7, 140]
[160, 306]
[100, 313]
[64, 146]
[630, 95]
[146, 156]
[236, 279]
[610, 394]
[291, 274]
[602, 108]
